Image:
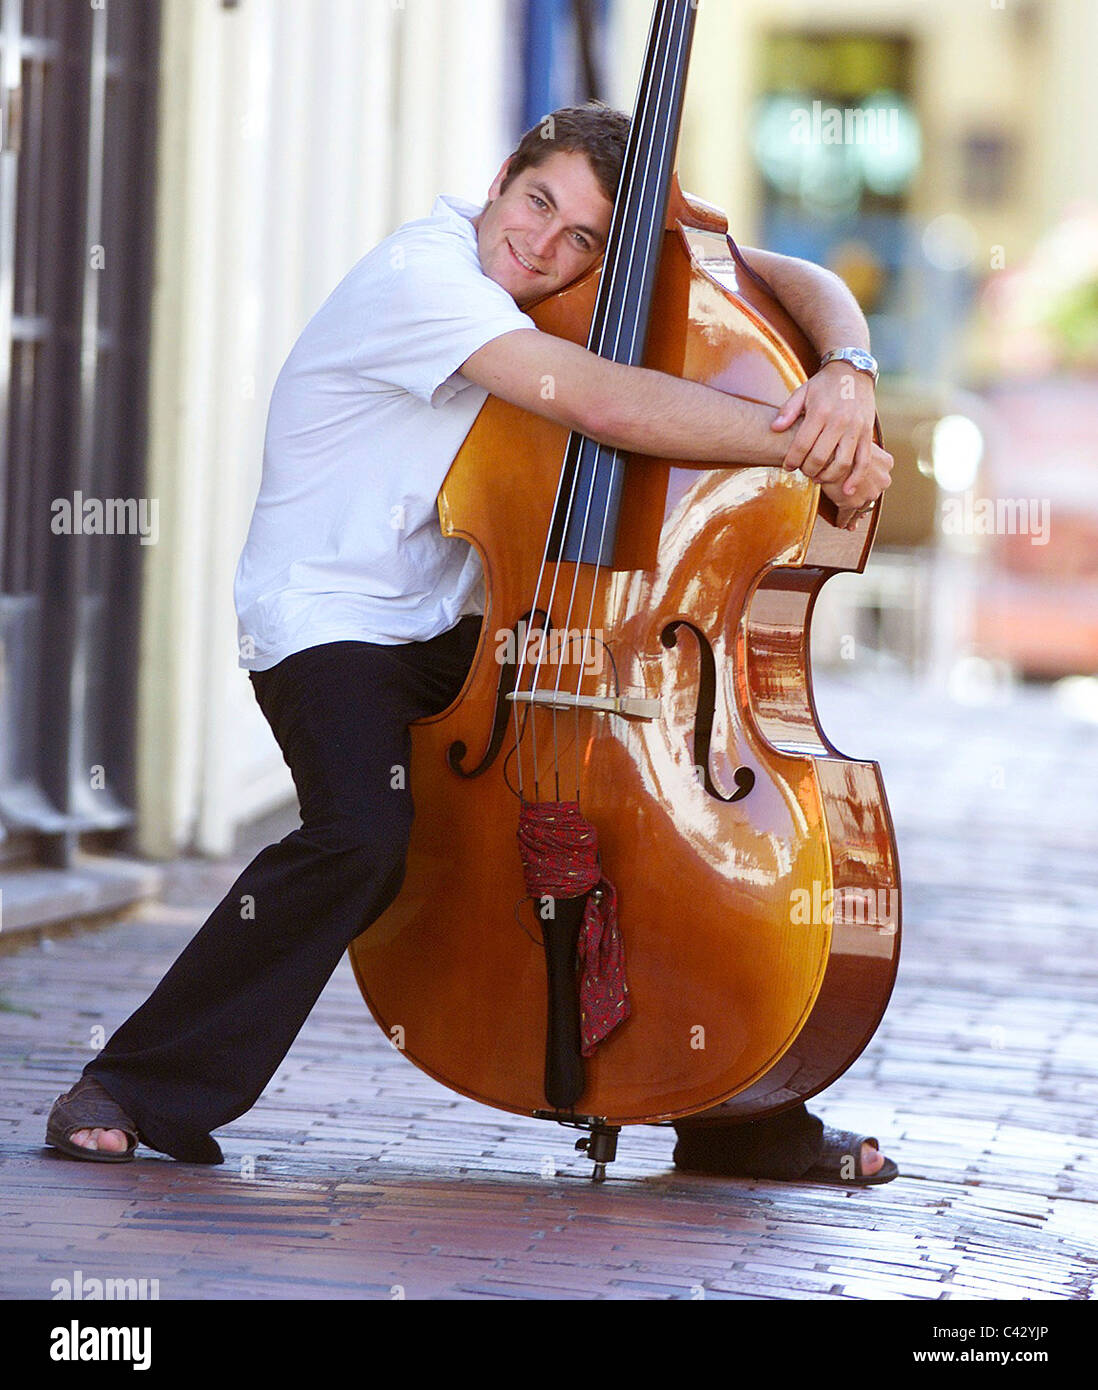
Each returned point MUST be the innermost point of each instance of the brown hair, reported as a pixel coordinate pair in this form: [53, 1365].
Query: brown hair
[596, 130]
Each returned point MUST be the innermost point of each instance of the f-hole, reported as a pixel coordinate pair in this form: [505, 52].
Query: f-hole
[743, 777]
[508, 675]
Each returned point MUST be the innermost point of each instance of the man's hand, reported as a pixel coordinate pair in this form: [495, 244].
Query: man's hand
[877, 477]
[834, 444]
[837, 413]
[835, 408]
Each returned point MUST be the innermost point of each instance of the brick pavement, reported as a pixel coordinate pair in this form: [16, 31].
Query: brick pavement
[357, 1177]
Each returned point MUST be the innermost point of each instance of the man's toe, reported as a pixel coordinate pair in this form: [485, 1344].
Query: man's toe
[872, 1160]
[109, 1140]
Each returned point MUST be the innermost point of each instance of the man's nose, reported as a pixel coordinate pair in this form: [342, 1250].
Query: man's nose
[542, 240]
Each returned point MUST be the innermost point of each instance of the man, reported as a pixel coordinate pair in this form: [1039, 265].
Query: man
[357, 616]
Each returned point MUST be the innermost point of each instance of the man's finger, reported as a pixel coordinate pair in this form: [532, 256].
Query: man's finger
[822, 454]
[801, 447]
[841, 462]
[790, 411]
[863, 457]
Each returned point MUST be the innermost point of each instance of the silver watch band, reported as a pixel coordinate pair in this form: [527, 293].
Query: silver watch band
[858, 358]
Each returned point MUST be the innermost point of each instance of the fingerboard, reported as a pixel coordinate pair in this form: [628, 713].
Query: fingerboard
[585, 523]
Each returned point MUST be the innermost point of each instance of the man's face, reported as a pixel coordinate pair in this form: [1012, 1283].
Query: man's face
[546, 230]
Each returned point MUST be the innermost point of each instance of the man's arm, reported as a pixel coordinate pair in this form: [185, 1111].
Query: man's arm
[629, 408]
[641, 411]
[817, 298]
[836, 408]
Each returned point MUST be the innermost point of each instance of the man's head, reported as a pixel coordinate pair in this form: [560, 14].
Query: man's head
[595, 130]
[549, 209]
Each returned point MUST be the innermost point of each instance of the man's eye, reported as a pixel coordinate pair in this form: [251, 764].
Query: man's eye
[539, 201]
[582, 243]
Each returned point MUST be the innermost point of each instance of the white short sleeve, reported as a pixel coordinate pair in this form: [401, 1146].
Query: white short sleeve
[431, 307]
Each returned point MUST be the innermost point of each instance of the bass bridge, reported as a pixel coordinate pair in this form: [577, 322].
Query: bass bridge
[632, 706]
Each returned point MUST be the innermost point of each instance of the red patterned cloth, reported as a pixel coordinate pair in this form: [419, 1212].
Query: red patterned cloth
[560, 859]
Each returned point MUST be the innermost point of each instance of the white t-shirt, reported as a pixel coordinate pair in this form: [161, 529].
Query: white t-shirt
[366, 417]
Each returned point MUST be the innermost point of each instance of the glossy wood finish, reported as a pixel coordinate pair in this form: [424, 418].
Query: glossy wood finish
[741, 983]
[865, 905]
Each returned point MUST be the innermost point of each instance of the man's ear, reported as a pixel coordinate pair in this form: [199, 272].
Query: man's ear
[494, 191]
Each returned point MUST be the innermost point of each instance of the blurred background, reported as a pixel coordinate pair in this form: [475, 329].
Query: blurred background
[183, 182]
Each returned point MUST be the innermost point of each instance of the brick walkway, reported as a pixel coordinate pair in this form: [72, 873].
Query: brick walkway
[357, 1177]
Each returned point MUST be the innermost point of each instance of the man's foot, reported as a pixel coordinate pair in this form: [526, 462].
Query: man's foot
[777, 1149]
[87, 1122]
[108, 1140]
[837, 1162]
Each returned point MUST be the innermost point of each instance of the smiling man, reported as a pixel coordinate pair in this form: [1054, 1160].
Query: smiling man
[356, 616]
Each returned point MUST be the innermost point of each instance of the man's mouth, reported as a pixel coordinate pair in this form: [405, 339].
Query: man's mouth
[525, 264]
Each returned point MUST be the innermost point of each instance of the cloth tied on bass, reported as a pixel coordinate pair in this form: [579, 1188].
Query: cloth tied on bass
[560, 859]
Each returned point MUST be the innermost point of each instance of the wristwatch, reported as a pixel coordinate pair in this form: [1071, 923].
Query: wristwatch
[858, 358]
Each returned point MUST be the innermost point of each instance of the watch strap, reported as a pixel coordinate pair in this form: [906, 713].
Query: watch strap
[858, 358]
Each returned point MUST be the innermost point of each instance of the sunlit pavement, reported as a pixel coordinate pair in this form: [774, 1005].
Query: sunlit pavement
[357, 1177]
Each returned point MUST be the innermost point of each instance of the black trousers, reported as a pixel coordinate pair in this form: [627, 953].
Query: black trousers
[201, 1049]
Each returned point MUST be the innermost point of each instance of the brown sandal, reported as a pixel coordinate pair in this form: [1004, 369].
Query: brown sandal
[89, 1106]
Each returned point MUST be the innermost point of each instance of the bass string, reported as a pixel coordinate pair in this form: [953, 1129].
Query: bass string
[658, 171]
[574, 452]
[651, 120]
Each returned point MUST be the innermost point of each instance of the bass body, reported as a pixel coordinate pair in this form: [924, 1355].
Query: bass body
[755, 866]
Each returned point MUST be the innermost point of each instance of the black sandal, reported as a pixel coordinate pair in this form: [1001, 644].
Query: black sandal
[732, 1151]
[89, 1106]
[840, 1161]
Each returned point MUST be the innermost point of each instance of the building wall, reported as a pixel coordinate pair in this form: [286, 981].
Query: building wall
[293, 138]
[1022, 67]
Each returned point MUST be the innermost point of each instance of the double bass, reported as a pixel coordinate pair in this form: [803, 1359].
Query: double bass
[644, 665]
